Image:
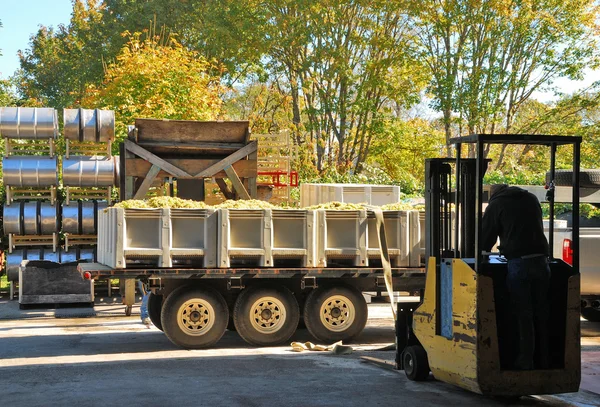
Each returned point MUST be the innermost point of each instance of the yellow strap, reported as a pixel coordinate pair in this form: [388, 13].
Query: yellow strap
[338, 348]
[385, 257]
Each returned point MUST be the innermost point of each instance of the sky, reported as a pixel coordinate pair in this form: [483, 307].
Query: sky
[22, 18]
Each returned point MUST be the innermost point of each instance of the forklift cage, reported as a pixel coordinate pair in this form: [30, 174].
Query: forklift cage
[481, 162]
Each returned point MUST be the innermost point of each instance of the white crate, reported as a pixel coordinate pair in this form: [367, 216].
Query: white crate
[342, 237]
[244, 236]
[157, 237]
[293, 236]
[266, 237]
[314, 194]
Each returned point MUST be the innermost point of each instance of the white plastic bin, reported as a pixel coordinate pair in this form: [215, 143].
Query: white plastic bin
[314, 194]
[342, 237]
[157, 237]
[244, 237]
[293, 237]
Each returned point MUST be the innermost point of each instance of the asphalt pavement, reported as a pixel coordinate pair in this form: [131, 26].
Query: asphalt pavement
[98, 357]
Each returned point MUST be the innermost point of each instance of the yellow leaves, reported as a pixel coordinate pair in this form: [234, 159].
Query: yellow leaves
[158, 78]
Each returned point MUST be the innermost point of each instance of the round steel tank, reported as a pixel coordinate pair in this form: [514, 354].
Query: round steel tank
[50, 256]
[89, 216]
[13, 261]
[81, 218]
[30, 171]
[70, 218]
[89, 125]
[70, 256]
[88, 254]
[77, 254]
[31, 218]
[28, 123]
[48, 215]
[92, 171]
[11, 215]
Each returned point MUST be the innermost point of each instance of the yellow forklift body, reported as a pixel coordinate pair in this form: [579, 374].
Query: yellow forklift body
[470, 356]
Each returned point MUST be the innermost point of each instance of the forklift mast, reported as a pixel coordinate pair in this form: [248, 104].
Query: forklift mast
[450, 235]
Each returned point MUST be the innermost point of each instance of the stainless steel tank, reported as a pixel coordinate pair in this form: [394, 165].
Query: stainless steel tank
[89, 216]
[31, 218]
[13, 261]
[88, 253]
[28, 123]
[11, 215]
[48, 216]
[30, 171]
[81, 218]
[49, 255]
[89, 125]
[70, 218]
[77, 254]
[90, 171]
[70, 256]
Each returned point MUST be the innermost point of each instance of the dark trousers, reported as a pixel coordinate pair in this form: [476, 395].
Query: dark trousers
[528, 282]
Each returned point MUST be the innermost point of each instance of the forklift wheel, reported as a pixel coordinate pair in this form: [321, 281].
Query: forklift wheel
[415, 363]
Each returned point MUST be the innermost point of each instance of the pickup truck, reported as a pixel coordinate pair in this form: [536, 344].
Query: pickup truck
[589, 255]
[589, 235]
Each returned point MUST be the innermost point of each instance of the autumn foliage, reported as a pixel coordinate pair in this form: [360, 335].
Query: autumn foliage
[158, 78]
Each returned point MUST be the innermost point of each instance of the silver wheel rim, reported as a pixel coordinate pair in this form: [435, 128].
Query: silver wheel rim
[408, 363]
[267, 315]
[337, 313]
[195, 317]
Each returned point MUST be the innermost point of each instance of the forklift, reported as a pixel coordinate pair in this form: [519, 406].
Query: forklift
[462, 330]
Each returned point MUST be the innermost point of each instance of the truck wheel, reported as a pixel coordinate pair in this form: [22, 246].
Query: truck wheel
[194, 318]
[416, 365]
[154, 308]
[334, 314]
[591, 314]
[266, 316]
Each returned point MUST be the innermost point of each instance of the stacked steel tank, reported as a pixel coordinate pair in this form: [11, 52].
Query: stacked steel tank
[33, 218]
[89, 173]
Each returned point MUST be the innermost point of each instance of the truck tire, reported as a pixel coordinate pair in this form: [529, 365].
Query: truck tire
[416, 365]
[266, 315]
[334, 314]
[587, 178]
[154, 308]
[591, 314]
[194, 318]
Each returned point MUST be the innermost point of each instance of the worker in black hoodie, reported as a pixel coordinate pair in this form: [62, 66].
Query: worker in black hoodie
[515, 216]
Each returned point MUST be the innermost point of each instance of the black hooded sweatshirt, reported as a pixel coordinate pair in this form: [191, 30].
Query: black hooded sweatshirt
[516, 216]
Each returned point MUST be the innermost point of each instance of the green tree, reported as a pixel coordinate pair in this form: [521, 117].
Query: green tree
[401, 147]
[267, 105]
[8, 96]
[344, 61]
[157, 78]
[60, 63]
[488, 57]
